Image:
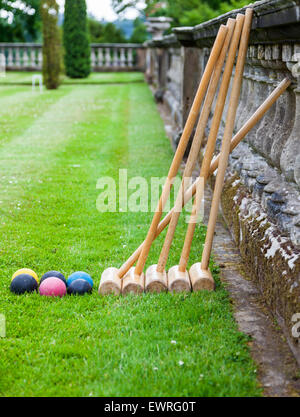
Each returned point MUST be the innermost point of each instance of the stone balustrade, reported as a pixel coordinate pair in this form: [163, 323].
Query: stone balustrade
[22, 56]
[104, 57]
[261, 199]
[117, 57]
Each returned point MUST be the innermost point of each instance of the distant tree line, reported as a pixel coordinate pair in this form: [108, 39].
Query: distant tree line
[25, 25]
[109, 32]
[183, 12]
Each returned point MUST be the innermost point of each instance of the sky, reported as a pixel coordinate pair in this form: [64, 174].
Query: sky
[102, 9]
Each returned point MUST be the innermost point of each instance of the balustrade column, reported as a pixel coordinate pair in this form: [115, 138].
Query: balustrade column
[25, 57]
[32, 58]
[10, 60]
[107, 57]
[122, 58]
[18, 58]
[93, 58]
[3, 57]
[116, 58]
[129, 58]
[100, 57]
[2, 62]
[40, 58]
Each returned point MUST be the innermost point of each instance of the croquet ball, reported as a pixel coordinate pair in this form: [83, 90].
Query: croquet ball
[53, 287]
[26, 271]
[79, 287]
[80, 275]
[23, 283]
[55, 274]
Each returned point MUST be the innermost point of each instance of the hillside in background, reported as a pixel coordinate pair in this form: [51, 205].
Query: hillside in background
[125, 25]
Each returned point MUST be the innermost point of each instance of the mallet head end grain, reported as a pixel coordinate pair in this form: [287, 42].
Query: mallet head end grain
[133, 283]
[110, 282]
[201, 279]
[155, 281]
[178, 281]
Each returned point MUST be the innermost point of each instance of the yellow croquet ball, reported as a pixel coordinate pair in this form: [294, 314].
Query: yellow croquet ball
[26, 271]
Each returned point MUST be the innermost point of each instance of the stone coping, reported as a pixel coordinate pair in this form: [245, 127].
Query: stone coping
[274, 21]
[169, 41]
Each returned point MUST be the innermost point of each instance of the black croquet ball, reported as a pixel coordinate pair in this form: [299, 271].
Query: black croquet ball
[23, 283]
[79, 287]
[56, 274]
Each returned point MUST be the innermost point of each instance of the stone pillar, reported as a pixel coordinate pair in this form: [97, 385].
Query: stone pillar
[158, 25]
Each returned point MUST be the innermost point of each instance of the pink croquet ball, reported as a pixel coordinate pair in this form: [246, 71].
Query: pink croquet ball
[53, 287]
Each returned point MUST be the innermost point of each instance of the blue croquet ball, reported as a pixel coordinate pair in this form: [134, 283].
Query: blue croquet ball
[23, 283]
[79, 287]
[80, 275]
[55, 274]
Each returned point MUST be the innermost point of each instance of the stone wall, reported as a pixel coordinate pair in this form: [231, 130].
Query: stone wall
[261, 199]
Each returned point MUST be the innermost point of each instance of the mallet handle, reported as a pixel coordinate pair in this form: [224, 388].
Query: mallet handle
[211, 142]
[254, 119]
[194, 112]
[195, 148]
[225, 150]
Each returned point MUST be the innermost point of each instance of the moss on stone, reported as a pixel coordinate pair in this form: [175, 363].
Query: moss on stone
[270, 258]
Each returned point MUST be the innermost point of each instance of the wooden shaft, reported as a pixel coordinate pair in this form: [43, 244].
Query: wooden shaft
[191, 227]
[194, 112]
[225, 150]
[254, 119]
[195, 148]
[215, 125]
[211, 142]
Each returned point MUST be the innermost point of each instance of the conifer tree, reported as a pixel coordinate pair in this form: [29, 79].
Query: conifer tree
[76, 39]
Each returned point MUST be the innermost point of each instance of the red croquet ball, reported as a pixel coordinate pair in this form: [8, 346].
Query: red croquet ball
[53, 287]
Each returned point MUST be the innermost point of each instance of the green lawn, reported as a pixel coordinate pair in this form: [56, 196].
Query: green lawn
[25, 78]
[54, 147]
